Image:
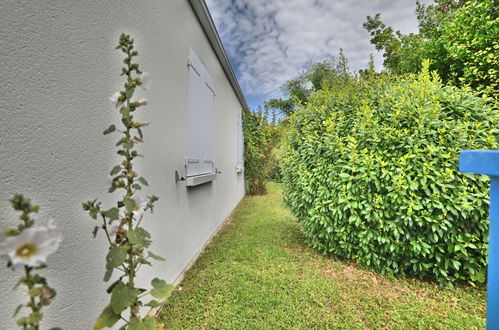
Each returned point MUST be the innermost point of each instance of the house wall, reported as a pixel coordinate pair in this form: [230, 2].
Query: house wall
[58, 68]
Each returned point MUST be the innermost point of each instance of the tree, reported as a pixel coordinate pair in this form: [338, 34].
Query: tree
[315, 77]
[371, 69]
[459, 38]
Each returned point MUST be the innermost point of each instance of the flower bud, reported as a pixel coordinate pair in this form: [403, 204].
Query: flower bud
[145, 80]
[116, 99]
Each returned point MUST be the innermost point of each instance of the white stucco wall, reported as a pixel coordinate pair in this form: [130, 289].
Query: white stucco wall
[58, 67]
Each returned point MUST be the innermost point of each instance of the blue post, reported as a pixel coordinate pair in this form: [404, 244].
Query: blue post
[487, 162]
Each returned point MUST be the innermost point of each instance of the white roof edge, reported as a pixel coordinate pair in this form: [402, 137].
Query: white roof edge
[204, 17]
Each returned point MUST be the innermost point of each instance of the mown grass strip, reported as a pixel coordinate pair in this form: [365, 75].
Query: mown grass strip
[259, 273]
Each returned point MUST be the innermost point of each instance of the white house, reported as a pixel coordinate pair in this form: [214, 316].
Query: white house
[58, 68]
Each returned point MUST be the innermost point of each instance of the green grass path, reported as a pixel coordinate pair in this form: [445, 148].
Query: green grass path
[259, 274]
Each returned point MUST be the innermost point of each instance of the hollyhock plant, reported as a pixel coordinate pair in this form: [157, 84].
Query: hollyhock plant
[128, 241]
[29, 246]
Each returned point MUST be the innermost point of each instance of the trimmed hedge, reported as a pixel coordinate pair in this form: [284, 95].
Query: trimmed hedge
[371, 172]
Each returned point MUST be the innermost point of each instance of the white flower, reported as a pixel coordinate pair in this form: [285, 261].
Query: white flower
[140, 204]
[113, 230]
[32, 246]
[145, 80]
[115, 99]
[143, 101]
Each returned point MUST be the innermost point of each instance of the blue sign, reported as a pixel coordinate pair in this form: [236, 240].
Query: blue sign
[487, 162]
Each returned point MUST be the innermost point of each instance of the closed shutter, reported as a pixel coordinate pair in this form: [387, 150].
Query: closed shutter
[194, 116]
[200, 101]
[208, 102]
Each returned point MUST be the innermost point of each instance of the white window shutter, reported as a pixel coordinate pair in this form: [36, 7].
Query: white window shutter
[208, 127]
[194, 155]
[200, 123]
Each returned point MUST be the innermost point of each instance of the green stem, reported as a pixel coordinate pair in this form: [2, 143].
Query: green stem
[105, 230]
[129, 194]
[30, 285]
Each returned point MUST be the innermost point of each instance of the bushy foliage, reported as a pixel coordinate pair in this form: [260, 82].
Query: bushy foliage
[467, 49]
[259, 139]
[371, 171]
[459, 38]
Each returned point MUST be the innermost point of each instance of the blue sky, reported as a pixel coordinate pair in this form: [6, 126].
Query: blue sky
[271, 41]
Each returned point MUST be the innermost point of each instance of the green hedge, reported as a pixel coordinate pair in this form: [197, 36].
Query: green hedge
[259, 139]
[371, 171]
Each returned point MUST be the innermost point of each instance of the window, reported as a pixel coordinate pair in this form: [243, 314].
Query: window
[240, 143]
[200, 100]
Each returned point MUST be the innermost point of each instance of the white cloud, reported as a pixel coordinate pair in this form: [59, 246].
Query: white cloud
[269, 42]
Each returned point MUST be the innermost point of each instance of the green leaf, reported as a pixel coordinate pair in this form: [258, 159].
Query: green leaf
[107, 319]
[161, 289]
[129, 204]
[18, 308]
[129, 92]
[127, 145]
[143, 181]
[122, 297]
[116, 170]
[116, 256]
[108, 274]
[35, 317]
[113, 213]
[93, 212]
[110, 288]
[125, 111]
[156, 257]
[110, 129]
[155, 303]
[148, 323]
[136, 186]
[139, 237]
[35, 291]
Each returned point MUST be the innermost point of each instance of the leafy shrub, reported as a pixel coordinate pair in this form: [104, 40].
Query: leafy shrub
[259, 138]
[371, 171]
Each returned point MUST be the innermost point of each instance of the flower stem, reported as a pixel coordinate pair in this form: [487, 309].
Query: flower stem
[129, 192]
[32, 304]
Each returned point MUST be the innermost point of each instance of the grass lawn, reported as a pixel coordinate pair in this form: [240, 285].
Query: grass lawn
[259, 274]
